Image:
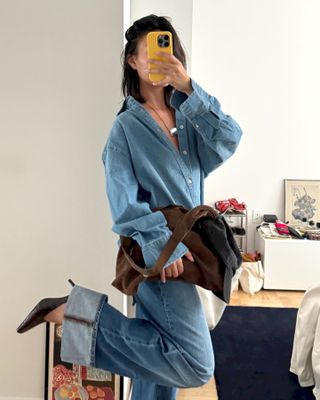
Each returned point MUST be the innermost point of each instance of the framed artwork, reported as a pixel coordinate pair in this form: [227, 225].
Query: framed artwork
[64, 381]
[302, 200]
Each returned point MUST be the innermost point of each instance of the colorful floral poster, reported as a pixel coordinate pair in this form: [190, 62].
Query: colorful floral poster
[66, 381]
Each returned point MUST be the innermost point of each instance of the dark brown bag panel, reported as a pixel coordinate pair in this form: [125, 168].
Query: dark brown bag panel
[211, 269]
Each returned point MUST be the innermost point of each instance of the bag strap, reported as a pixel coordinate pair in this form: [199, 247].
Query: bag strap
[182, 228]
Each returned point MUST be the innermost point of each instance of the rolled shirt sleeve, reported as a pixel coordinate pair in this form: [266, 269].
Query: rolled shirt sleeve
[217, 134]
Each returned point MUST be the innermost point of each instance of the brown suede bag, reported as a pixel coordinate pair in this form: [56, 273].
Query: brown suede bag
[209, 239]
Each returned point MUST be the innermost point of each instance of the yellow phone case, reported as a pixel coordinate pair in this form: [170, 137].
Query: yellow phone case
[153, 46]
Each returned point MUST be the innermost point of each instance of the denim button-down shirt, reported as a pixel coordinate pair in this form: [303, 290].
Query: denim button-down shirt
[144, 169]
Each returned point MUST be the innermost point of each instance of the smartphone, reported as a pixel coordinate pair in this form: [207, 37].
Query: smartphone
[158, 41]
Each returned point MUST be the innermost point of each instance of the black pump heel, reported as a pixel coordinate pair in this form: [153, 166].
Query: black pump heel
[37, 314]
[71, 282]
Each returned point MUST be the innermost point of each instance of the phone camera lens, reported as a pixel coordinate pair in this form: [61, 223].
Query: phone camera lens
[163, 40]
[160, 41]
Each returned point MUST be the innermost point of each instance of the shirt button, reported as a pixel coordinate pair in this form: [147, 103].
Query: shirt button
[181, 126]
[190, 180]
[197, 126]
[184, 152]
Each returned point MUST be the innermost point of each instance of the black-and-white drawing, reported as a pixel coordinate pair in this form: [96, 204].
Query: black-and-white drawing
[302, 201]
[304, 205]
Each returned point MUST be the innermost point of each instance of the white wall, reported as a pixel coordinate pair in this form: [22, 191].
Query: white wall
[60, 80]
[59, 91]
[260, 60]
[261, 63]
[180, 13]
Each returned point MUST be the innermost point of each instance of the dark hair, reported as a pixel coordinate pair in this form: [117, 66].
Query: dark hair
[130, 78]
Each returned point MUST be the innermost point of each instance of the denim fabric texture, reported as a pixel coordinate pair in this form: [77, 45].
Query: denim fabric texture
[167, 345]
[79, 325]
[144, 170]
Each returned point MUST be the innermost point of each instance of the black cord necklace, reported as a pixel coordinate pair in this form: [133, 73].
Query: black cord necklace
[172, 131]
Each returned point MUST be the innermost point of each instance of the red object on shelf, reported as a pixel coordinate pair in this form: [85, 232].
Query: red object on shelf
[282, 228]
[230, 205]
[237, 206]
[222, 205]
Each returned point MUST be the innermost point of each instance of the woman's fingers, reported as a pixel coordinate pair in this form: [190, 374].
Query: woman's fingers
[179, 266]
[163, 69]
[168, 58]
[163, 82]
[163, 275]
[154, 62]
[169, 271]
[172, 271]
[174, 71]
[175, 269]
[189, 256]
[167, 68]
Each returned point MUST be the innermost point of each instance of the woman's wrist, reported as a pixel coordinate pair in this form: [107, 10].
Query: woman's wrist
[188, 89]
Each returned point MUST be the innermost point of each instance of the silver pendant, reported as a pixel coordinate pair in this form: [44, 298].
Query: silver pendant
[173, 131]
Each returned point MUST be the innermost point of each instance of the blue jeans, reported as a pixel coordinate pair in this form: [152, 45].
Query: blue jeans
[167, 346]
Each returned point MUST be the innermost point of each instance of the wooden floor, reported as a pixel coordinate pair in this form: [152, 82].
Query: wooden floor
[264, 298]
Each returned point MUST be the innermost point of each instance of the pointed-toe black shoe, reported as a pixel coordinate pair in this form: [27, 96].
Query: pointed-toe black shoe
[37, 314]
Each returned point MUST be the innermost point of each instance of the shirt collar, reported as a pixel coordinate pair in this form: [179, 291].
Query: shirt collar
[130, 103]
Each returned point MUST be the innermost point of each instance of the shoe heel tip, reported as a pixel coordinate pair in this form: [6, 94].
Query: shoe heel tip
[71, 282]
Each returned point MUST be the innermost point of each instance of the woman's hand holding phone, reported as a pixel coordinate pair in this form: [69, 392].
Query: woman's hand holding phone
[175, 269]
[174, 72]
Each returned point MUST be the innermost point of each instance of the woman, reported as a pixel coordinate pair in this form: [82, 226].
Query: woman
[167, 137]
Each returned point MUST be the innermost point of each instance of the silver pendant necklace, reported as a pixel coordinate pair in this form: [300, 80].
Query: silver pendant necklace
[172, 131]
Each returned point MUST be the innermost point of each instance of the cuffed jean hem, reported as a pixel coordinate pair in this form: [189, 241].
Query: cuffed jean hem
[79, 326]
